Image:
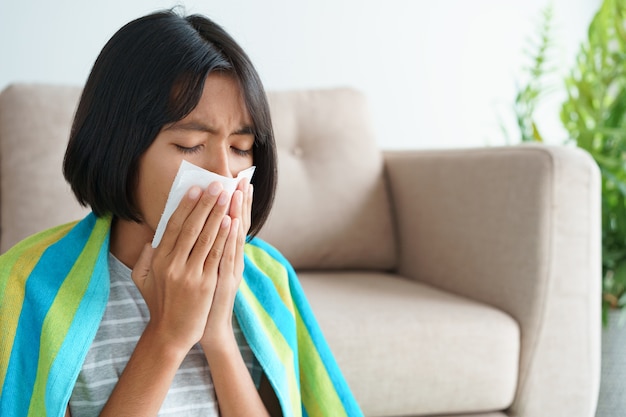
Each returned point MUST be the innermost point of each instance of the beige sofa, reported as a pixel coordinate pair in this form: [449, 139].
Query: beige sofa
[455, 282]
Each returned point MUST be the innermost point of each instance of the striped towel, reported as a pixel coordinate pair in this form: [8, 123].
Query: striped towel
[54, 288]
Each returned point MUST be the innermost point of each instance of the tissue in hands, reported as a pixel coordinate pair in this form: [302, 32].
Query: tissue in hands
[189, 175]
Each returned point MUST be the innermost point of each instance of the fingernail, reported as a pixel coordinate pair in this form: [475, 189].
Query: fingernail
[223, 199]
[238, 197]
[194, 192]
[225, 222]
[215, 188]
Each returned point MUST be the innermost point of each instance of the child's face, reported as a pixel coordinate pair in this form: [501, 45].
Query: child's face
[217, 135]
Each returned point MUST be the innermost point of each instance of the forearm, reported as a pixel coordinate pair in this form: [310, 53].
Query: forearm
[236, 393]
[143, 385]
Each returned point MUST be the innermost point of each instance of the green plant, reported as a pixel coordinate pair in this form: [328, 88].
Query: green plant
[535, 88]
[594, 115]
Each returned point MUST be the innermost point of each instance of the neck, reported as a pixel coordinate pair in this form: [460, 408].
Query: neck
[128, 239]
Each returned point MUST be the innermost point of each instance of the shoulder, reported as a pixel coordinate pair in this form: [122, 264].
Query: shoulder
[67, 238]
[263, 255]
[258, 244]
[38, 242]
[17, 264]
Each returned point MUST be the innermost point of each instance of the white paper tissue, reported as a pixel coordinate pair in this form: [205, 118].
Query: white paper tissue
[189, 175]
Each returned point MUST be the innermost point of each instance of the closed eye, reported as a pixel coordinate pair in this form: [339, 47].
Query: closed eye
[187, 150]
[241, 152]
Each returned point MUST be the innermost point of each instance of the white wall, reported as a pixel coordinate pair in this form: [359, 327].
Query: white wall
[437, 73]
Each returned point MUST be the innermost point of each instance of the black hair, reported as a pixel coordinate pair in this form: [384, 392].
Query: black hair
[149, 74]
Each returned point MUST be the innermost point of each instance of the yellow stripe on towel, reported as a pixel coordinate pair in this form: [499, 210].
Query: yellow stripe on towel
[275, 271]
[318, 392]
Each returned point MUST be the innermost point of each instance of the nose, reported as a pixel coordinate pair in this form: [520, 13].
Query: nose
[217, 160]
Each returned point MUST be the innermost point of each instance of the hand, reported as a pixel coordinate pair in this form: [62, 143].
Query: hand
[230, 273]
[178, 279]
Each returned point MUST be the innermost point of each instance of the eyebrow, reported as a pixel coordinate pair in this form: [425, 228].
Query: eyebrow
[201, 127]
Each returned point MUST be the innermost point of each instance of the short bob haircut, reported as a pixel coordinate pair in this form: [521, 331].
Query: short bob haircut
[151, 73]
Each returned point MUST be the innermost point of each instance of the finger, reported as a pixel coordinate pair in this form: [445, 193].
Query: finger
[177, 219]
[142, 268]
[240, 203]
[238, 261]
[226, 266]
[215, 254]
[247, 209]
[244, 215]
[243, 184]
[226, 288]
[213, 202]
[246, 205]
[236, 205]
[210, 232]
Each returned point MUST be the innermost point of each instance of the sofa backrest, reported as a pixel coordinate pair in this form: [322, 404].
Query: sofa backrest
[35, 123]
[331, 209]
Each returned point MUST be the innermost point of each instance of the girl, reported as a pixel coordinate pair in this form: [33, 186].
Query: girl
[97, 322]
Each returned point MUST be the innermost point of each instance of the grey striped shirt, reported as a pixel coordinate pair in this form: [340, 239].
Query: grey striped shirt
[126, 315]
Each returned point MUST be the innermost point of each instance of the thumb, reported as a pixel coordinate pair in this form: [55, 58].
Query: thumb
[142, 267]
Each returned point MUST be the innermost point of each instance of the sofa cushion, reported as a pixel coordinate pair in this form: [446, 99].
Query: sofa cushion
[332, 208]
[438, 352]
[35, 122]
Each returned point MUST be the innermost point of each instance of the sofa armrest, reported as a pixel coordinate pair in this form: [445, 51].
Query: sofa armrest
[517, 228]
